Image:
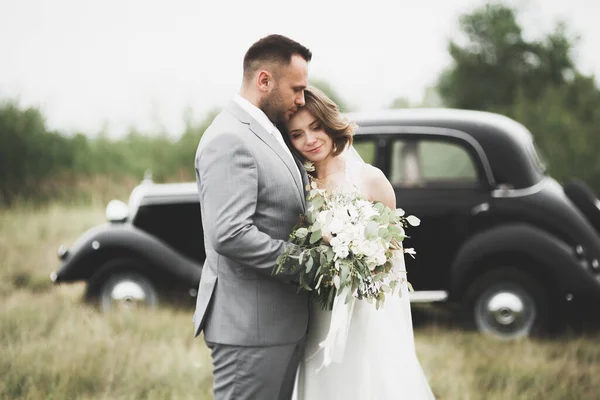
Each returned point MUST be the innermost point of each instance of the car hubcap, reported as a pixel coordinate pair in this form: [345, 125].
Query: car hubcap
[505, 308]
[128, 293]
[505, 313]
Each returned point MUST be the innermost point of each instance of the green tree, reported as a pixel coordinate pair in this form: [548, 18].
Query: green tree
[28, 151]
[496, 63]
[326, 88]
[536, 82]
[400, 102]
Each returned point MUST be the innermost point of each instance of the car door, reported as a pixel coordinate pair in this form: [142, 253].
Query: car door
[438, 179]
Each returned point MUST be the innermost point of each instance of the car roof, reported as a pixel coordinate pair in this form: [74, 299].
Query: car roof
[470, 120]
[507, 144]
[149, 192]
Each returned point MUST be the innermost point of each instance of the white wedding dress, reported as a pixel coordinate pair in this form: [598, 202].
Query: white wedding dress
[372, 356]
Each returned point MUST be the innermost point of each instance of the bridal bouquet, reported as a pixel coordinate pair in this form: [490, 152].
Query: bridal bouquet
[347, 242]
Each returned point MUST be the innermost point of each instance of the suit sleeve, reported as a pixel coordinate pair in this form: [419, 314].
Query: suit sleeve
[228, 191]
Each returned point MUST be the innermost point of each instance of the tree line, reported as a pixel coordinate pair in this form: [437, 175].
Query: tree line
[494, 68]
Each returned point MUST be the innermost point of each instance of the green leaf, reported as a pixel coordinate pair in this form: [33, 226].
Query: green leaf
[384, 233]
[393, 285]
[315, 237]
[385, 218]
[371, 229]
[330, 254]
[301, 232]
[348, 297]
[345, 273]
[319, 282]
[303, 283]
[309, 264]
[336, 281]
[317, 203]
[355, 283]
[315, 227]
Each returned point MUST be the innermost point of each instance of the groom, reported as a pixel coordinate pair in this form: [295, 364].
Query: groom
[251, 195]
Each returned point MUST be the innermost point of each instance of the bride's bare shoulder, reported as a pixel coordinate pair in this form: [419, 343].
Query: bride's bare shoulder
[377, 186]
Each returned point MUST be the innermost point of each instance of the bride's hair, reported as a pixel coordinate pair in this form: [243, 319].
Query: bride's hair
[328, 113]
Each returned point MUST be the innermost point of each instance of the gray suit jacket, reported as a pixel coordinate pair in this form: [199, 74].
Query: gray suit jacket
[250, 198]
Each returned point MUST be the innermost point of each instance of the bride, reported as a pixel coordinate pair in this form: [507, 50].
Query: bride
[376, 358]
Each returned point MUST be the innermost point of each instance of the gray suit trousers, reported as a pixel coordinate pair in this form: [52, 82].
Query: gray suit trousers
[255, 373]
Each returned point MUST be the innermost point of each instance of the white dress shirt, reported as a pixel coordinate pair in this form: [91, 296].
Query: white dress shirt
[266, 123]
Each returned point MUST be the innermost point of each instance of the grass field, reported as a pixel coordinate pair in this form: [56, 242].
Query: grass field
[52, 346]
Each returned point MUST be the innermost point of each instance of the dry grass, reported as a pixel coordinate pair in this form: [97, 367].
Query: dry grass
[52, 346]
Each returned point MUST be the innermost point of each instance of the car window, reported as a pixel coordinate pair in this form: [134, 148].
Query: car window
[176, 224]
[539, 160]
[367, 150]
[431, 163]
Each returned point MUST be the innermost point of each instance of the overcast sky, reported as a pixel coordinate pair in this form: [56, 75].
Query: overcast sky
[113, 64]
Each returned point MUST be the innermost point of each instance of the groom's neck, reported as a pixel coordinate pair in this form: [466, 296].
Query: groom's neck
[250, 95]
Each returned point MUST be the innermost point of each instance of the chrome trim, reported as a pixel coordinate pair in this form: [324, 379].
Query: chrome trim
[511, 193]
[505, 313]
[62, 252]
[569, 297]
[483, 207]
[505, 308]
[127, 291]
[116, 211]
[440, 132]
[428, 296]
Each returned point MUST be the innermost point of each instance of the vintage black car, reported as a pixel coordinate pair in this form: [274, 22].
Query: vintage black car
[499, 237]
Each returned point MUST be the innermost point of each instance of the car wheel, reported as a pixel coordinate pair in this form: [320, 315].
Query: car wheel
[508, 304]
[128, 290]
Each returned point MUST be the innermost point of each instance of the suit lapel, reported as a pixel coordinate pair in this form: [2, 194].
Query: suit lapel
[305, 182]
[270, 141]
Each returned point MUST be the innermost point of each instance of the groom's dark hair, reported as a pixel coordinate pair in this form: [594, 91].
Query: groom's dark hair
[272, 49]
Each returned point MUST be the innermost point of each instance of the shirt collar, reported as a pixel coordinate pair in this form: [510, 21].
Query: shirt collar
[255, 113]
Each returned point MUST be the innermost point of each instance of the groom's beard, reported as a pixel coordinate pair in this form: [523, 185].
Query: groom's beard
[273, 107]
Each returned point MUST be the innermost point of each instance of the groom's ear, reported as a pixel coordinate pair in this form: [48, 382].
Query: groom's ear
[264, 81]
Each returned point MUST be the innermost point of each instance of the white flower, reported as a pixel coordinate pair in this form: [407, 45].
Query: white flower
[414, 221]
[352, 211]
[366, 209]
[334, 242]
[309, 166]
[400, 212]
[371, 264]
[367, 248]
[335, 226]
[341, 251]
[410, 251]
[349, 233]
[323, 219]
[380, 258]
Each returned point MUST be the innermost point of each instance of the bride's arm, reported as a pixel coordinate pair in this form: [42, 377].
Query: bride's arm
[377, 186]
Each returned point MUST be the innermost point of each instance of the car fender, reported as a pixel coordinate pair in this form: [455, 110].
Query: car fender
[88, 253]
[551, 255]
